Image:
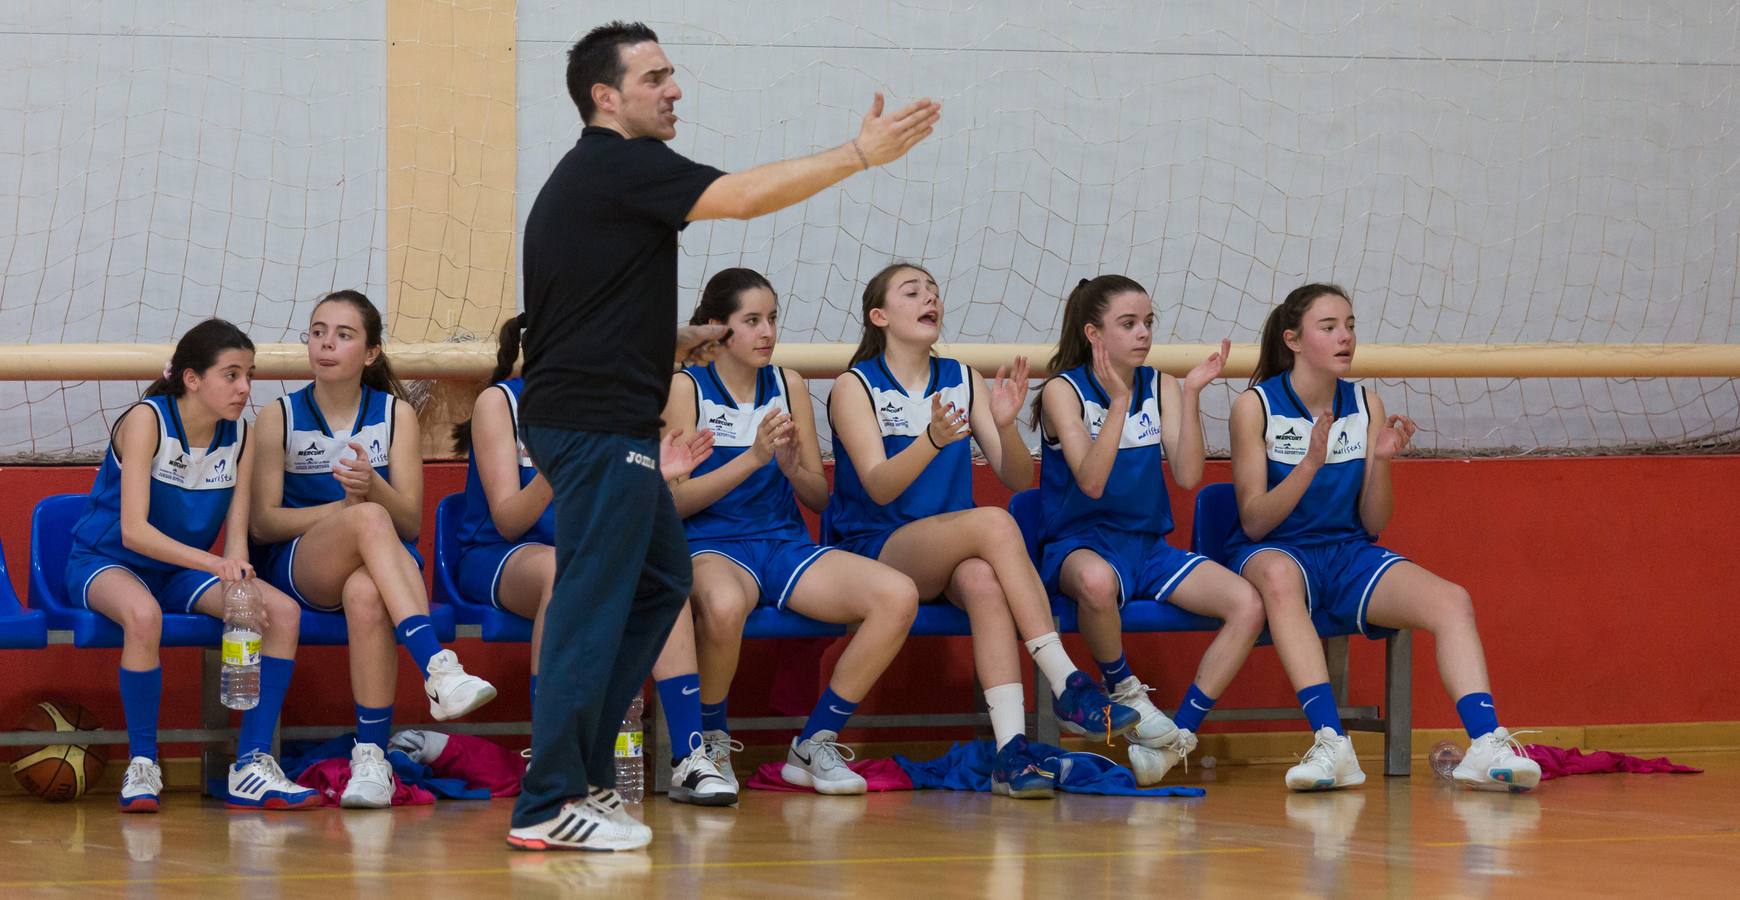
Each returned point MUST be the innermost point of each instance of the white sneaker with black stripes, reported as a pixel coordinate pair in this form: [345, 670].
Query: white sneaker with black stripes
[581, 824]
[697, 780]
[610, 802]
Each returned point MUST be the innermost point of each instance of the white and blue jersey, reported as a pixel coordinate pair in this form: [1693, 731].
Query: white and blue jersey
[1127, 524]
[312, 446]
[858, 523]
[191, 489]
[483, 552]
[762, 505]
[756, 524]
[1323, 535]
[1328, 512]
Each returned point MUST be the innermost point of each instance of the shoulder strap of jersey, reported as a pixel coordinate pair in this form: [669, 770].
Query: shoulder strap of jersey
[1080, 404]
[155, 411]
[693, 380]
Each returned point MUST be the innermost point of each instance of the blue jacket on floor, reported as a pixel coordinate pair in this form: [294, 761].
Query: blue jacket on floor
[967, 767]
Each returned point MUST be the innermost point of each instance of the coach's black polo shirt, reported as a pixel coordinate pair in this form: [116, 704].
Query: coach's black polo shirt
[601, 283]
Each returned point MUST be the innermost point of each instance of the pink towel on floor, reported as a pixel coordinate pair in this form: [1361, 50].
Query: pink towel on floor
[880, 774]
[1557, 762]
[481, 763]
[329, 776]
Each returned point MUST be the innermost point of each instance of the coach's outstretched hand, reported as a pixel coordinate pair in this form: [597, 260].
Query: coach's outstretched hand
[886, 138]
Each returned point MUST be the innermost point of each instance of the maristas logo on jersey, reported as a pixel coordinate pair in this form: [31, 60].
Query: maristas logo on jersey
[219, 474]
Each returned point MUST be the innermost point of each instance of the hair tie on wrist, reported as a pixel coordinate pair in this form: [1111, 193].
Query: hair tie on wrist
[862, 159]
[933, 442]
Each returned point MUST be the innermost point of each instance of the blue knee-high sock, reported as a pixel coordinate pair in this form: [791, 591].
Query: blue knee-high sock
[1478, 714]
[1318, 701]
[141, 695]
[713, 717]
[681, 698]
[830, 714]
[1193, 709]
[1115, 671]
[374, 725]
[417, 633]
[534, 691]
[259, 723]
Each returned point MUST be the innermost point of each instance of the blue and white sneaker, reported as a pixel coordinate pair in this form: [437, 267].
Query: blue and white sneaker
[140, 785]
[1015, 773]
[256, 782]
[1083, 708]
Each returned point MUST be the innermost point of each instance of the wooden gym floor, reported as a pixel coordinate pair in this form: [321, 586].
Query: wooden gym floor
[1612, 835]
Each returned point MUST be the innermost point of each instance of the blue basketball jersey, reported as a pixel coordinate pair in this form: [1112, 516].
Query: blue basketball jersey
[762, 505]
[312, 445]
[477, 528]
[190, 488]
[945, 485]
[1134, 499]
[1328, 513]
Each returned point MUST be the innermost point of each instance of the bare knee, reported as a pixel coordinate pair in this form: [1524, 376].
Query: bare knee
[1096, 589]
[1244, 611]
[141, 621]
[1451, 608]
[371, 522]
[283, 616]
[1278, 588]
[720, 612]
[995, 529]
[895, 598]
[976, 583]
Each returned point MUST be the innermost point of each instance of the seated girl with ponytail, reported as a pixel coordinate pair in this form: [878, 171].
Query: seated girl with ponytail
[176, 472]
[507, 536]
[338, 499]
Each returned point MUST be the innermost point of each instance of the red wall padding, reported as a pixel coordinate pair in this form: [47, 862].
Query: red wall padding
[1606, 588]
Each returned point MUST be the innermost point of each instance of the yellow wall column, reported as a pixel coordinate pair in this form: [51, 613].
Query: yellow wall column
[451, 150]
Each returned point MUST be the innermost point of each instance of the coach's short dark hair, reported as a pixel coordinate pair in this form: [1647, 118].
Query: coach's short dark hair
[597, 59]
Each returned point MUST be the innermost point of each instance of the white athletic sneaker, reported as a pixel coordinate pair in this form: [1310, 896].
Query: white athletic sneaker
[580, 824]
[371, 779]
[1329, 764]
[256, 782]
[140, 785]
[452, 693]
[611, 804]
[697, 780]
[820, 763]
[719, 746]
[1496, 762]
[1152, 763]
[1154, 729]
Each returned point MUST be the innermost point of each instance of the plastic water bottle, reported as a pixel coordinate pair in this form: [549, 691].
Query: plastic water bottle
[630, 765]
[240, 680]
[1444, 757]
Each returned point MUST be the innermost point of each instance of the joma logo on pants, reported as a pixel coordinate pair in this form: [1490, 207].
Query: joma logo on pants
[642, 460]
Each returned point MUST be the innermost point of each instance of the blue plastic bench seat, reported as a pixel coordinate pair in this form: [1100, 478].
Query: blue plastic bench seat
[50, 542]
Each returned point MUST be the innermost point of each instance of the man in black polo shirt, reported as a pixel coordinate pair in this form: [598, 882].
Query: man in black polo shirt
[601, 305]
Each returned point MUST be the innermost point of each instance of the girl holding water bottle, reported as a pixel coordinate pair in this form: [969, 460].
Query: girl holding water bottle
[176, 472]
